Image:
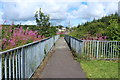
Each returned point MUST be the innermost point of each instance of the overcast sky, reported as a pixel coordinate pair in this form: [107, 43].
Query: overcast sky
[60, 11]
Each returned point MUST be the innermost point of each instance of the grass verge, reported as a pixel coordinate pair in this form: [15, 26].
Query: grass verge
[99, 68]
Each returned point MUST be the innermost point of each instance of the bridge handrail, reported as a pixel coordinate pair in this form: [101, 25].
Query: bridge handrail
[22, 61]
[35, 42]
[94, 49]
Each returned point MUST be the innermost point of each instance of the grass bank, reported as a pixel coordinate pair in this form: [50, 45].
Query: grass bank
[100, 68]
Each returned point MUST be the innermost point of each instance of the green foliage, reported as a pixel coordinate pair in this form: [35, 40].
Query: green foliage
[62, 35]
[50, 32]
[42, 21]
[113, 30]
[14, 37]
[59, 26]
[100, 68]
[79, 32]
[106, 26]
[95, 28]
[43, 24]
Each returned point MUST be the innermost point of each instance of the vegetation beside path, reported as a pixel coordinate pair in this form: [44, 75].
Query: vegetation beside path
[106, 28]
[99, 68]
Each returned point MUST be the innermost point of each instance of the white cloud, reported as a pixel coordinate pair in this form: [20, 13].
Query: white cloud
[18, 11]
[111, 8]
[94, 10]
[1, 20]
[60, 0]
[29, 23]
[24, 10]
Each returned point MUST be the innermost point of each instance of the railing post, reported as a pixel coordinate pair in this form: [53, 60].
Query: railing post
[10, 65]
[22, 63]
[0, 67]
[82, 47]
[18, 61]
[13, 64]
[16, 71]
[97, 49]
[69, 40]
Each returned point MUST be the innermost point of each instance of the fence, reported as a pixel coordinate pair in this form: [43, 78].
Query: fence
[21, 62]
[95, 49]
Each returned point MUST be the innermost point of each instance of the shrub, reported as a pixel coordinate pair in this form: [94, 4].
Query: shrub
[13, 37]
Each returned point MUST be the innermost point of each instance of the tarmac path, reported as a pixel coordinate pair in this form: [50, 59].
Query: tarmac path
[61, 64]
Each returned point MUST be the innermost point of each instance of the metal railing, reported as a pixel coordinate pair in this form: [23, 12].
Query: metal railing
[21, 62]
[95, 49]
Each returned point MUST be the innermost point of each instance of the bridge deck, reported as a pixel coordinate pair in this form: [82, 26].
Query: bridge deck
[61, 64]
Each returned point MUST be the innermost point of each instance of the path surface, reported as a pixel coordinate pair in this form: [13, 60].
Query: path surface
[61, 64]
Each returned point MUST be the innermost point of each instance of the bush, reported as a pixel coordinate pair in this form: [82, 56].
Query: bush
[108, 27]
[13, 37]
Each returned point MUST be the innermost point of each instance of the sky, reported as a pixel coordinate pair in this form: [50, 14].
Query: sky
[62, 12]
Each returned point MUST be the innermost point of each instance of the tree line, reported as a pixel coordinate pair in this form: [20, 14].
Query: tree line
[108, 26]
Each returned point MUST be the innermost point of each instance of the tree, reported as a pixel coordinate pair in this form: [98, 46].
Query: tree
[113, 30]
[106, 26]
[60, 26]
[42, 21]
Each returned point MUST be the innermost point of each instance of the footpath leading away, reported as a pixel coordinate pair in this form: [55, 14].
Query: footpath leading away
[61, 64]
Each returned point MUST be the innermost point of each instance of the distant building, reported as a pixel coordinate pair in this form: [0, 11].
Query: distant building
[61, 30]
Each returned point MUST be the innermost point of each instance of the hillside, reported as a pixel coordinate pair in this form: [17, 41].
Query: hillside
[106, 28]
